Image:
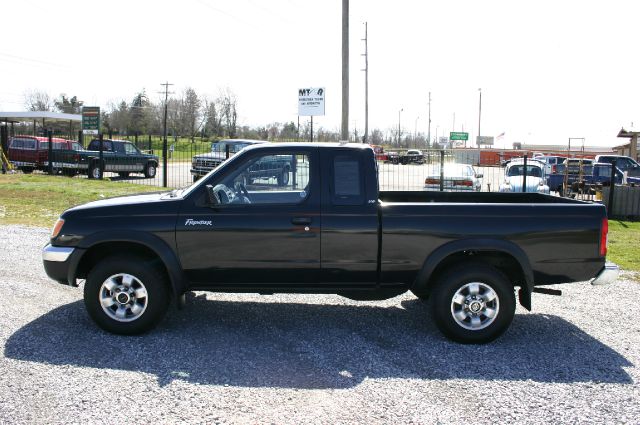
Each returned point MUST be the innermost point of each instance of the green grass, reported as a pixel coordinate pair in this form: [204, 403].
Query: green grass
[37, 200]
[624, 246]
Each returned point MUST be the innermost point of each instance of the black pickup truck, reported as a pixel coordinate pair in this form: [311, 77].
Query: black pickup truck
[326, 230]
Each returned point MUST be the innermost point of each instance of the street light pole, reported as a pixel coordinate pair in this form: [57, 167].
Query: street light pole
[479, 120]
[429, 127]
[401, 109]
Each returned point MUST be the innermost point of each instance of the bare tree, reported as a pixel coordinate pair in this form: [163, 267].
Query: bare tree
[35, 100]
[227, 106]
[69, 105]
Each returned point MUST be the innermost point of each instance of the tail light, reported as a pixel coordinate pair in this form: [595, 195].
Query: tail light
[463, 183]
[604, 231]
[431, 181]
[553, 169]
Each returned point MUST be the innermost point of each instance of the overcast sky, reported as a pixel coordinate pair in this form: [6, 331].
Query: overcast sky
[549, 70]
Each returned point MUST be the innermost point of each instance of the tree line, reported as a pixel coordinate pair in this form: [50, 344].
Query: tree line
[192, 115]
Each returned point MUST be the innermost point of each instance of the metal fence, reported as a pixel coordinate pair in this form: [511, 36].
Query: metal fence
[147, 160]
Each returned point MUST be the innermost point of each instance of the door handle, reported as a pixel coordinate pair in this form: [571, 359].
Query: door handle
[301, 220]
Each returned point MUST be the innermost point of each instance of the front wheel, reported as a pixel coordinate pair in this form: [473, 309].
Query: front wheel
[473, 303]
[126, 296]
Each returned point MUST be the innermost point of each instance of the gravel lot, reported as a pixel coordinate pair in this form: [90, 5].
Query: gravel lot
[310, 358]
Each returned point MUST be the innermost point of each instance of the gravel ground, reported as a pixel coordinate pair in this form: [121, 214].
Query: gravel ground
[310, 358]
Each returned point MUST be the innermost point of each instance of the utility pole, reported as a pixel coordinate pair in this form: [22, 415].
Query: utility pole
[164, 132]
[400, 111]
[366, 86]
[415, 133]
[429, 127]
[344, 133]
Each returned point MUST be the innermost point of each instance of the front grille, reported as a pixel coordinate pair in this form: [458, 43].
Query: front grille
[208, 163]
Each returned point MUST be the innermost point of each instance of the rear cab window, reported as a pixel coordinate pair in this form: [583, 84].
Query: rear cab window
[347, 182]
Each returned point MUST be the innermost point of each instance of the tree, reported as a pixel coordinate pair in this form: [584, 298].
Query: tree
[37, 101]
[68, 105]
[376, 137]
[211, 120]
[289, 131]
[139, 112]
[227, 107]
[190, 112]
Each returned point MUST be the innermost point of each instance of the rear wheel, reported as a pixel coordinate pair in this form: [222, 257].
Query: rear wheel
[95, 172]
[126, 296]
[283, 178]
[124, 174]
[473, 303]
[26, 170]
[150, 170]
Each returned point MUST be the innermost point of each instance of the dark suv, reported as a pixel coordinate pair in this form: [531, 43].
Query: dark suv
[220, 152]
[122, 157]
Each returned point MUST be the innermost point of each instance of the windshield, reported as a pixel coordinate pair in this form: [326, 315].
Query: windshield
[518, 170]
[233, 147]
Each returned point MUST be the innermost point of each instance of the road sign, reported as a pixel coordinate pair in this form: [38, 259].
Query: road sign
[484, 140]
[456, 135]
[311, 101]
[90, 119]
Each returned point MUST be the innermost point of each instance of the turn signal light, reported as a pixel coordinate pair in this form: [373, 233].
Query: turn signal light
[56, 228]
[432, 181]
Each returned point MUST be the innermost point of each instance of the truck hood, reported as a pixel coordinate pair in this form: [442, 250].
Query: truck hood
[125, 201]
[213, 155]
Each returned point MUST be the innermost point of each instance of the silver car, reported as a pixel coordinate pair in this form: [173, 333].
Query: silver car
[457, 177]
[514, 177]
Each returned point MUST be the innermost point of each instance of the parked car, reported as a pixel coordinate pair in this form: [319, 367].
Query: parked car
[29, 153]
[457, 177]
[467, 254]
[203, 163]
[624, 163]
[118, 156]
[514, 177]
[412, 156]
[550, 161]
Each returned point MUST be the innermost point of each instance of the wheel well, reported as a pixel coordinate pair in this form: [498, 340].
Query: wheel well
[104, 250]
[501, 261]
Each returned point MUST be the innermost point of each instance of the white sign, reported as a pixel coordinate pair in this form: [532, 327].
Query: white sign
[484, 140]
[311, 101]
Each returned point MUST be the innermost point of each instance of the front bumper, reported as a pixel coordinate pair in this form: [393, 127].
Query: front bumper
[607, 275]
[57, 261]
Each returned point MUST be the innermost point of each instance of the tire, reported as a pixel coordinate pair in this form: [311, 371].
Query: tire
[420, 294]
[283, 178]
[150, 170]
[468, 287]
[94, 171]
[126, 296]
[124, 174]
[69, 172]
[26, 170]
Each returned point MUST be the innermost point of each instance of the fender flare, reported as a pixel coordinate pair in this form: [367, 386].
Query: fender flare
[436, 257]
[167, 256]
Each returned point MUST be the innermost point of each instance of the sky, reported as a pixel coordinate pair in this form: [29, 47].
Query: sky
[548, 70]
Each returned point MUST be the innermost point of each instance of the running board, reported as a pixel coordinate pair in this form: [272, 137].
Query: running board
[547, 291]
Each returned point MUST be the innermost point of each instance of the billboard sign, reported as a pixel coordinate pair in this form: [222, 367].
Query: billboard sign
[311, 101]
[456, 135]
[484, 140]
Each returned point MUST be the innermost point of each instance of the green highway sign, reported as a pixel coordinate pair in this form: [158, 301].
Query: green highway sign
[90, 119]
[456, 135]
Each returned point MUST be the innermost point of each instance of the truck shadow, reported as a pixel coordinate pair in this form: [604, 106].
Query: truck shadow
[293, 345]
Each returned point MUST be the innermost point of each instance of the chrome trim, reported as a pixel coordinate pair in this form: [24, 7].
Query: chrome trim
[607, 275]
[56, 253]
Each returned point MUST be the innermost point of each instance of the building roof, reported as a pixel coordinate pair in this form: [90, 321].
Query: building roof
[38, 115]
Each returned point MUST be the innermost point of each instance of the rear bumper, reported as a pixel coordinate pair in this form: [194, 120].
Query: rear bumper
[607, 275]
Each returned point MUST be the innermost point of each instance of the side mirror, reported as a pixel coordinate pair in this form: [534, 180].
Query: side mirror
[211, 195]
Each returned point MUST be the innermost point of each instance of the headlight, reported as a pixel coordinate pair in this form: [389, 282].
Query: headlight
[57, 228]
